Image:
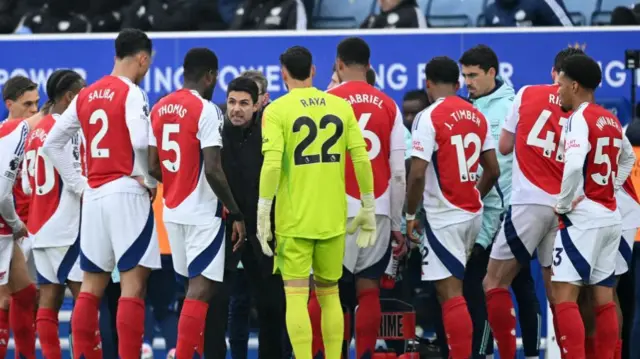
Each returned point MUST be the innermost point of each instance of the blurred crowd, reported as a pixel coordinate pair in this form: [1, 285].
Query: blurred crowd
[86, 16]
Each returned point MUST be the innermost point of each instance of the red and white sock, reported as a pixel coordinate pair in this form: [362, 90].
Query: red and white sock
[367, 322]
[572, 329]
[85, 327]
[130, 326]
[22, 321]
[458, 327]
[4, 332]
[502, 318]
[47, 328]
[607, 335]
[191, 329]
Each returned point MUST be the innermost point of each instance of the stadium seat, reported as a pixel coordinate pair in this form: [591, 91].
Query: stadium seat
[580, 10]
[453, 13]
[422, 4]
[602, 15]
[341, 14]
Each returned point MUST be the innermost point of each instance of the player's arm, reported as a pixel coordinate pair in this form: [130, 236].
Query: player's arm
[272, 149]
[211, 144]
[398, 185]
[73, 156]
[137, 117]
[359, 156]
[424, 143]
[626, 162]
[490, 166]
[576, 147]
[507, 136]
[24, 178]
[66, 126]
[7, 179]
[154, 159]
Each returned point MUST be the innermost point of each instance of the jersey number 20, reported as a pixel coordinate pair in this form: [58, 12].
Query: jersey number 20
[33, 169]
[299, 158]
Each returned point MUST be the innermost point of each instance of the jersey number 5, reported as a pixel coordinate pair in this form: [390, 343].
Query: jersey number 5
[325, 156]
[465, 164]
[170, 145]
[33, 169]
[547, 144]
[602, 157]
[99, 116]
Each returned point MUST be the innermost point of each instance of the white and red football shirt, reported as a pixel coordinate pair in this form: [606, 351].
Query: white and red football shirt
[451, 135]
[113, 116]
[537, 120]
[629, 205]
[54, 218]
[380, 120]
[186, 123]
[593, 146]
[13, 135]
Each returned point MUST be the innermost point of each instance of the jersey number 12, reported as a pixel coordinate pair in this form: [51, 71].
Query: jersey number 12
[465, 164]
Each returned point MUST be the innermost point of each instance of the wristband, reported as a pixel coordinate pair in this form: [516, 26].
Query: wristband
[235, 217]
[410, 217]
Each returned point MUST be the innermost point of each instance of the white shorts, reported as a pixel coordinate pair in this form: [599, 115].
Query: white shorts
[625, 251]
[6, 253]
[446, 249]
[527, 227]
[369, 262]
[56, 265]
[198, 250]
[586, 256]
[118, 229]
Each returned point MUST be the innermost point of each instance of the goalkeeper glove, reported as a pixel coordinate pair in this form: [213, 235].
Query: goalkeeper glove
[264, 225]
[366, 220]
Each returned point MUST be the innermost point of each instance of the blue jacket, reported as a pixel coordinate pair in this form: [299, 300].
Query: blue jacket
[528, 13]
[495, 106]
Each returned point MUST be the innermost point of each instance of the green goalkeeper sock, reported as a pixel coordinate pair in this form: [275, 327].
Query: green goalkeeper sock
[332, 321]
[298, 322]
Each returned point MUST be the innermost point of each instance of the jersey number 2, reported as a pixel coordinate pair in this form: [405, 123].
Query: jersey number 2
[464, 163]
[33, 169]
[299, 158]
[101, 116]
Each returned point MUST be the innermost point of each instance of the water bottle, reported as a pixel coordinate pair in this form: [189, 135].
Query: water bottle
[388, 280]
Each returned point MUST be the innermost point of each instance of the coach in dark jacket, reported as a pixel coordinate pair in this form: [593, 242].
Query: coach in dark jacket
[242, 162]
[527, 13]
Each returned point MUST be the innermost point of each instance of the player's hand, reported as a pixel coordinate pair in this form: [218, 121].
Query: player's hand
[574, 203]
[20, 232]
[401, 244]
[366, 221]
[152, 191]
[264, 225]
[413, 230]
[239, 234]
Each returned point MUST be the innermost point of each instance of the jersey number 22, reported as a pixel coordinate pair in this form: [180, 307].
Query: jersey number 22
[299, 158]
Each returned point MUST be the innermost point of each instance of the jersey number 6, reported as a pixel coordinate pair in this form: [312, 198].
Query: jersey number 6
[299, 158]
